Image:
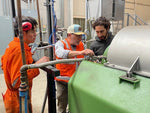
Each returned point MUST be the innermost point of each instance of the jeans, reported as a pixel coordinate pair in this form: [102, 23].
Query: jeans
[61, 96]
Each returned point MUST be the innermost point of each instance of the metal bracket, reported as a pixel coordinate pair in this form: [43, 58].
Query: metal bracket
[135, 66]
[129, 74]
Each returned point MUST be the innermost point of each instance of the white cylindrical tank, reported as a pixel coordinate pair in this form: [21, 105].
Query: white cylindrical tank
[130, 43]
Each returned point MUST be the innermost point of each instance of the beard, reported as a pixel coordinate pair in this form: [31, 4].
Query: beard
[102, 37]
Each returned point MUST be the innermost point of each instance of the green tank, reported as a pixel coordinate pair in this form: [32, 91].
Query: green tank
[122, 84]
[97, 89]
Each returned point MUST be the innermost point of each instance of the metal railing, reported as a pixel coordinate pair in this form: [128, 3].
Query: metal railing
[135, 18]
[128, 20]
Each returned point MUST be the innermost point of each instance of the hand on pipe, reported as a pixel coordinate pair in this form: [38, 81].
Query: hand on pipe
[42, 60]
[87, 52]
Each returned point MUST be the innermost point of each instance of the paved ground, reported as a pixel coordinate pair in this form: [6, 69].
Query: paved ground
[38, 92]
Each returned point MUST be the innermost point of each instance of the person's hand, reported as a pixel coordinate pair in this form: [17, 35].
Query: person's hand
[42, 60]
[87, 52]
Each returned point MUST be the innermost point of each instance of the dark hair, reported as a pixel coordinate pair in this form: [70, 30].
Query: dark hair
[101, 21]
[24, 19]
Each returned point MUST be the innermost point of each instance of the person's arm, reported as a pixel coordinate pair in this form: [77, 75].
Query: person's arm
[84, 52]
[16, 64]
[34, 72]
[42, 60]
[60, 51]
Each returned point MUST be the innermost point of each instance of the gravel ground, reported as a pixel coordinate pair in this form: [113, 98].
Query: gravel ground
[38, 92]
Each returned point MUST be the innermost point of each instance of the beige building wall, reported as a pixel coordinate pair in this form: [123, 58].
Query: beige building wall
[73, 9]
[78, 8]
[139, 7]
[68, 12]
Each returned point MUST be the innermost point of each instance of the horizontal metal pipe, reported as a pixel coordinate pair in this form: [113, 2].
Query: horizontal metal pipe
[32, 66]
[45, 47]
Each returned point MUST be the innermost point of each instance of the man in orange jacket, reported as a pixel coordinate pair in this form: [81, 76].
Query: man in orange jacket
[71, 47]
[12, 62]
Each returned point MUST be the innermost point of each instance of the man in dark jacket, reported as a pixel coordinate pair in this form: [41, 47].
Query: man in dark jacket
[104, 36]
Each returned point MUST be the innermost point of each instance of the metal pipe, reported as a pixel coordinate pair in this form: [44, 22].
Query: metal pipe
[113, 8]
[127, 19]
[32, 66]
[24, 78]
[86, 13]
[45, 47]
[45, 98]
[69, 7]
[123, 21]
[61, 5]
[13, 8]
[86, 18]
[20, 31]
[48, 5]
[52, 18]
[142, 20]
[134, 19]
[39, 20]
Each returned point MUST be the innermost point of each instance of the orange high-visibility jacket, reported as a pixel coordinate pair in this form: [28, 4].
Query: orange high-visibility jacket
[68, 69]
[11, 64]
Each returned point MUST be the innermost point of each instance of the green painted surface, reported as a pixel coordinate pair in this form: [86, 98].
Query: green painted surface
[96, 89]
[106, 51]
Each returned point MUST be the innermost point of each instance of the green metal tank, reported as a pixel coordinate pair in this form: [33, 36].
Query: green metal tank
[122, 85]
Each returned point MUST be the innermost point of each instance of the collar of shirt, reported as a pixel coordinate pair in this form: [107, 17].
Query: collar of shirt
[16, 39]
